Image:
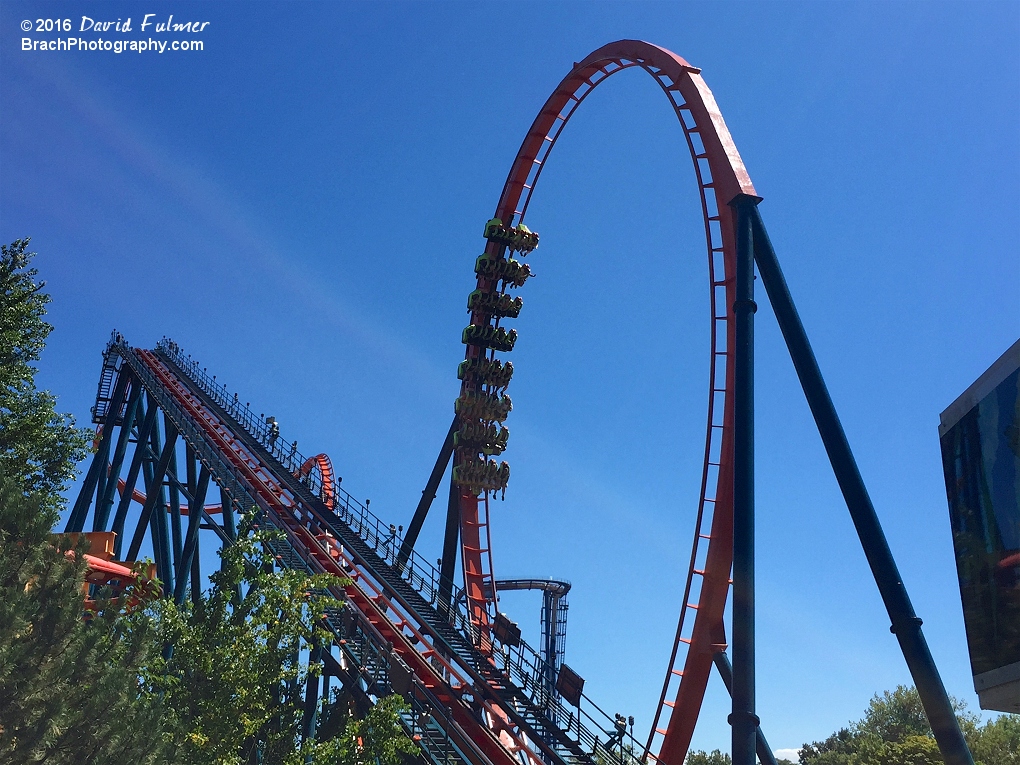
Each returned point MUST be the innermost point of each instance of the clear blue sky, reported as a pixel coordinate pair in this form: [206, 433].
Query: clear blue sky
[300, 205]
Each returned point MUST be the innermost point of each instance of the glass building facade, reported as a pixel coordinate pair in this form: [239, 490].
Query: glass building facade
[980, 438]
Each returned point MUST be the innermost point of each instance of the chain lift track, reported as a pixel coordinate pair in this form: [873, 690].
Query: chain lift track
[478, 694]
[492, 701]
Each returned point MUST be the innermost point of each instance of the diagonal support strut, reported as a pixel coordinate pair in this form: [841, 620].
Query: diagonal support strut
[905, 623]
[429, 494]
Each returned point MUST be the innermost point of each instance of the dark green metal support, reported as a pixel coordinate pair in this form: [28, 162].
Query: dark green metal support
[105, 505]
[142, 437]
[196, 579]
[76, 521]
[743, 719]
[195, 505]
[157, 517]
[103, 457]
[176, 540]
[311, 695]
[905, 623]
[153, 497]
[722, 663]
[429, 494]
[229, 520]
[448, 564]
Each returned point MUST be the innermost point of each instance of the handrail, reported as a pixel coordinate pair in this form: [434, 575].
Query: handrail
[359, 639]
[521, 663]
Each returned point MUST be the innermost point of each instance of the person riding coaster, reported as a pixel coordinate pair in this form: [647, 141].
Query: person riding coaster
[509, 306]
[478, 475]
[519, 238]
[485, 371]
[482, 406]
[511, 272]
[487, 438]
[495, 304]
[487, 336]
[516, 273]
[524, 239]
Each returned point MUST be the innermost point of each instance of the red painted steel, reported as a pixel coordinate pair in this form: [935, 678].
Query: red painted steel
[721, 177]
[114, 575]
[492, 742]
[493, 739]
[319, 461]
[139, 496]
[325, 467]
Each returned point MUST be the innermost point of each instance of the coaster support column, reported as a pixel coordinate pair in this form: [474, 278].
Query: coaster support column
[905, 623]
[743, 719]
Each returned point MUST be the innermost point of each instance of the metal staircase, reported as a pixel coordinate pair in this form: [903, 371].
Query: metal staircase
[516, 676]
[472, 701]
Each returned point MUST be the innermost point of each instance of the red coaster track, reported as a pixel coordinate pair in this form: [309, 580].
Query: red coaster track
[476, 698]
[721, 177]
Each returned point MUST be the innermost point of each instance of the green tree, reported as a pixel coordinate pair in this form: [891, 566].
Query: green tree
[913, 750]
[233, 684]
[895, 715]
[997, 742]
[715, 757]
[895, 731]
[376, 740]
[37, 445]
[102, 690]
[68, 689]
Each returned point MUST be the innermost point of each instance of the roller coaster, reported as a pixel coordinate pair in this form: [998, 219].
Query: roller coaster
[476, 692]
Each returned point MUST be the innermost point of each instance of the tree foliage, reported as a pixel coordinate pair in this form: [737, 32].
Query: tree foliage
[233, 685]
[38, 446]
[997, 742]
[68, 689]
[895, 731]
[108, 689]
[715, 757]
